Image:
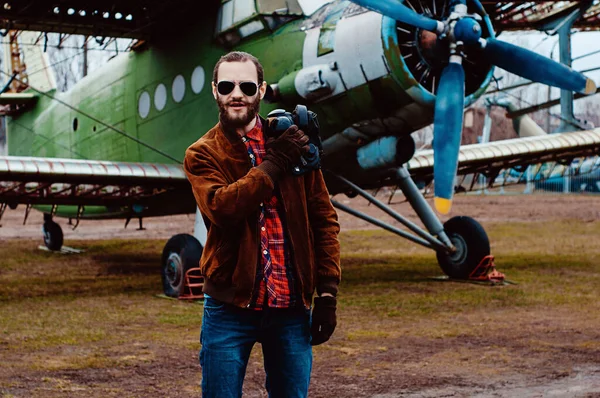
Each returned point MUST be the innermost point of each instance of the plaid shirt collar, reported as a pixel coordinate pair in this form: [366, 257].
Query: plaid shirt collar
[256, 133]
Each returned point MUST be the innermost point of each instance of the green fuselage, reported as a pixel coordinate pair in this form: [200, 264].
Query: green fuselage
[112, 95]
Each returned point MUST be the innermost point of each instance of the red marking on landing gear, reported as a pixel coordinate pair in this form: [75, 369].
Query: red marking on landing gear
[486, 271]
[192, 285]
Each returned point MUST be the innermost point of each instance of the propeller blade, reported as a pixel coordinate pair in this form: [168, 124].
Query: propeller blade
[536, 67]
[400, 12]
[447, 131]
[479, 7]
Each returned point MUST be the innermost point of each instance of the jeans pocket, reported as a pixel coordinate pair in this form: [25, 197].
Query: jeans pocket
[212, 304]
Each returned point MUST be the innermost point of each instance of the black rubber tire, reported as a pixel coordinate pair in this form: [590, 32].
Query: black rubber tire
[472, 244]
[53, 235]
[181, 253]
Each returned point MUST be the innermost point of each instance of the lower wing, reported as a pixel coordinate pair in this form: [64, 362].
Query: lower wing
[509, 159]
[142, 188]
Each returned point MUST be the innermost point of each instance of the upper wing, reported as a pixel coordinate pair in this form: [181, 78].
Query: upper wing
[124, 18]
[156, 188]
[141, 19]
[529, 15]
[512, 156]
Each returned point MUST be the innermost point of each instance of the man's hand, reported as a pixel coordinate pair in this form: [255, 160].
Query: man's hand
[284, 152]
[323, 319]
[289, 146]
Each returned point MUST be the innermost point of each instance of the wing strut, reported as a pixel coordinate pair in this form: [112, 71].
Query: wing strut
[435, 239]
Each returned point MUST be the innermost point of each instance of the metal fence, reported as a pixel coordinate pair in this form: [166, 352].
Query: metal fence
[581, 176]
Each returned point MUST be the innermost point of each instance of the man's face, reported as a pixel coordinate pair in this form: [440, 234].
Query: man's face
[237, 109]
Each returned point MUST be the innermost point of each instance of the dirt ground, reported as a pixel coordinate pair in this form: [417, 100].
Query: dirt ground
[490, 208]
[516, 352]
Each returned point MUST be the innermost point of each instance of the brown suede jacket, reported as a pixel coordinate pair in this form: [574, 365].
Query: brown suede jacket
[229, 191]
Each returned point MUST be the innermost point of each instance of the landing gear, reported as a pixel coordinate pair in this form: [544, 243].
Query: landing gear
[471, 243]
[461, 243]
[53, 234]
[181, 253]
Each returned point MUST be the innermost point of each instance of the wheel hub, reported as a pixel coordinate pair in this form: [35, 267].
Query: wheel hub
[460, 254]
[47, 237]
[173, 271]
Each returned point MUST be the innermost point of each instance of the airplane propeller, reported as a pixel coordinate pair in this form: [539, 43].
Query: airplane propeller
[462, 29]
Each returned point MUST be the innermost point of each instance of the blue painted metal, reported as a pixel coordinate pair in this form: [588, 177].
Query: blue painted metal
[468, 31]
[589, 183]
[566, 96]
[399, 12]
[533, 66]
[448, 128]
[378, 153]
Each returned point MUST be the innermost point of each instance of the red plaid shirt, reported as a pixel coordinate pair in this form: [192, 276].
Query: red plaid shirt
[274, 275]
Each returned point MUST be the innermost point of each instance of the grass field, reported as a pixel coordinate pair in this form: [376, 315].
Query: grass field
[90, 324]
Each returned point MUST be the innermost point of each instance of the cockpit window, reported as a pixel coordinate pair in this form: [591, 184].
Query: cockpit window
[234, 11]
[279, 7]
[243, 9]
[226, 16]
[242, 18]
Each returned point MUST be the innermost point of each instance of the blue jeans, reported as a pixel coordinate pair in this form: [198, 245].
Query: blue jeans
[228, 335]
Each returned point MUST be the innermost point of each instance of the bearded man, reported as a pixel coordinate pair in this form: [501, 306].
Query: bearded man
[272, 240]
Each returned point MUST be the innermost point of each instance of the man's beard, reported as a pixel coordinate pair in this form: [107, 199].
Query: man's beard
[238, 120]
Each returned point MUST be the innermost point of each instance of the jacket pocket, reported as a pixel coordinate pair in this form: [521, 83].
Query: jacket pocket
[222, 264]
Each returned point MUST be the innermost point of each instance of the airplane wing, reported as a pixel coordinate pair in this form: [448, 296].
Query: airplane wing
[143, 19]
[156, 188]
[163, 188]
[124, 18]
[510, 158]
[540, 15]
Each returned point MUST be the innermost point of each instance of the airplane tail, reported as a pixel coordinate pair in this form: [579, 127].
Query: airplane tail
[29, 61]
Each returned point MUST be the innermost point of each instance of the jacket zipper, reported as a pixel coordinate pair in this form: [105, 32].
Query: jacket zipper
[249, 301]
[255, 265]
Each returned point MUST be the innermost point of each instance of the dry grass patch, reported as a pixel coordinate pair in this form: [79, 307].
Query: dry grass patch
[89, 324]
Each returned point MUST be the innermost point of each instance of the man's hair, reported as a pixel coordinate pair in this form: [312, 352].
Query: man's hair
[239, 56]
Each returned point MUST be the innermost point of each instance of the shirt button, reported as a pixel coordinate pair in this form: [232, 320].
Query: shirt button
[263, 229]
[265, 252]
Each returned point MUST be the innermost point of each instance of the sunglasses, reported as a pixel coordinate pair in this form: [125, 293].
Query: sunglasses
[225, 87]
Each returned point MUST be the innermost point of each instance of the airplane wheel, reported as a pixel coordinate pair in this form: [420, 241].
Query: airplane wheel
[53, 235]
[351, 194]
[472, 245]
[181, 253]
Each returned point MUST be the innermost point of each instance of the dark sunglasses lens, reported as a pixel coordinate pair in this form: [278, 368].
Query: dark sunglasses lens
[225, 87]
[248, 88]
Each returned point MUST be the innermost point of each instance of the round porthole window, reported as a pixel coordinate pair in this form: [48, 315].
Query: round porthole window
[198, 79]
[160, 97]
[144, 105]
[178, 88]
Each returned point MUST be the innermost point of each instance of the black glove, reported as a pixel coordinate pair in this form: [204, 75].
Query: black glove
[323, 319]
[284, 152]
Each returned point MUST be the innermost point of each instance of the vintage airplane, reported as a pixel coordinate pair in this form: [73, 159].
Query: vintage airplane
[373, 70]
